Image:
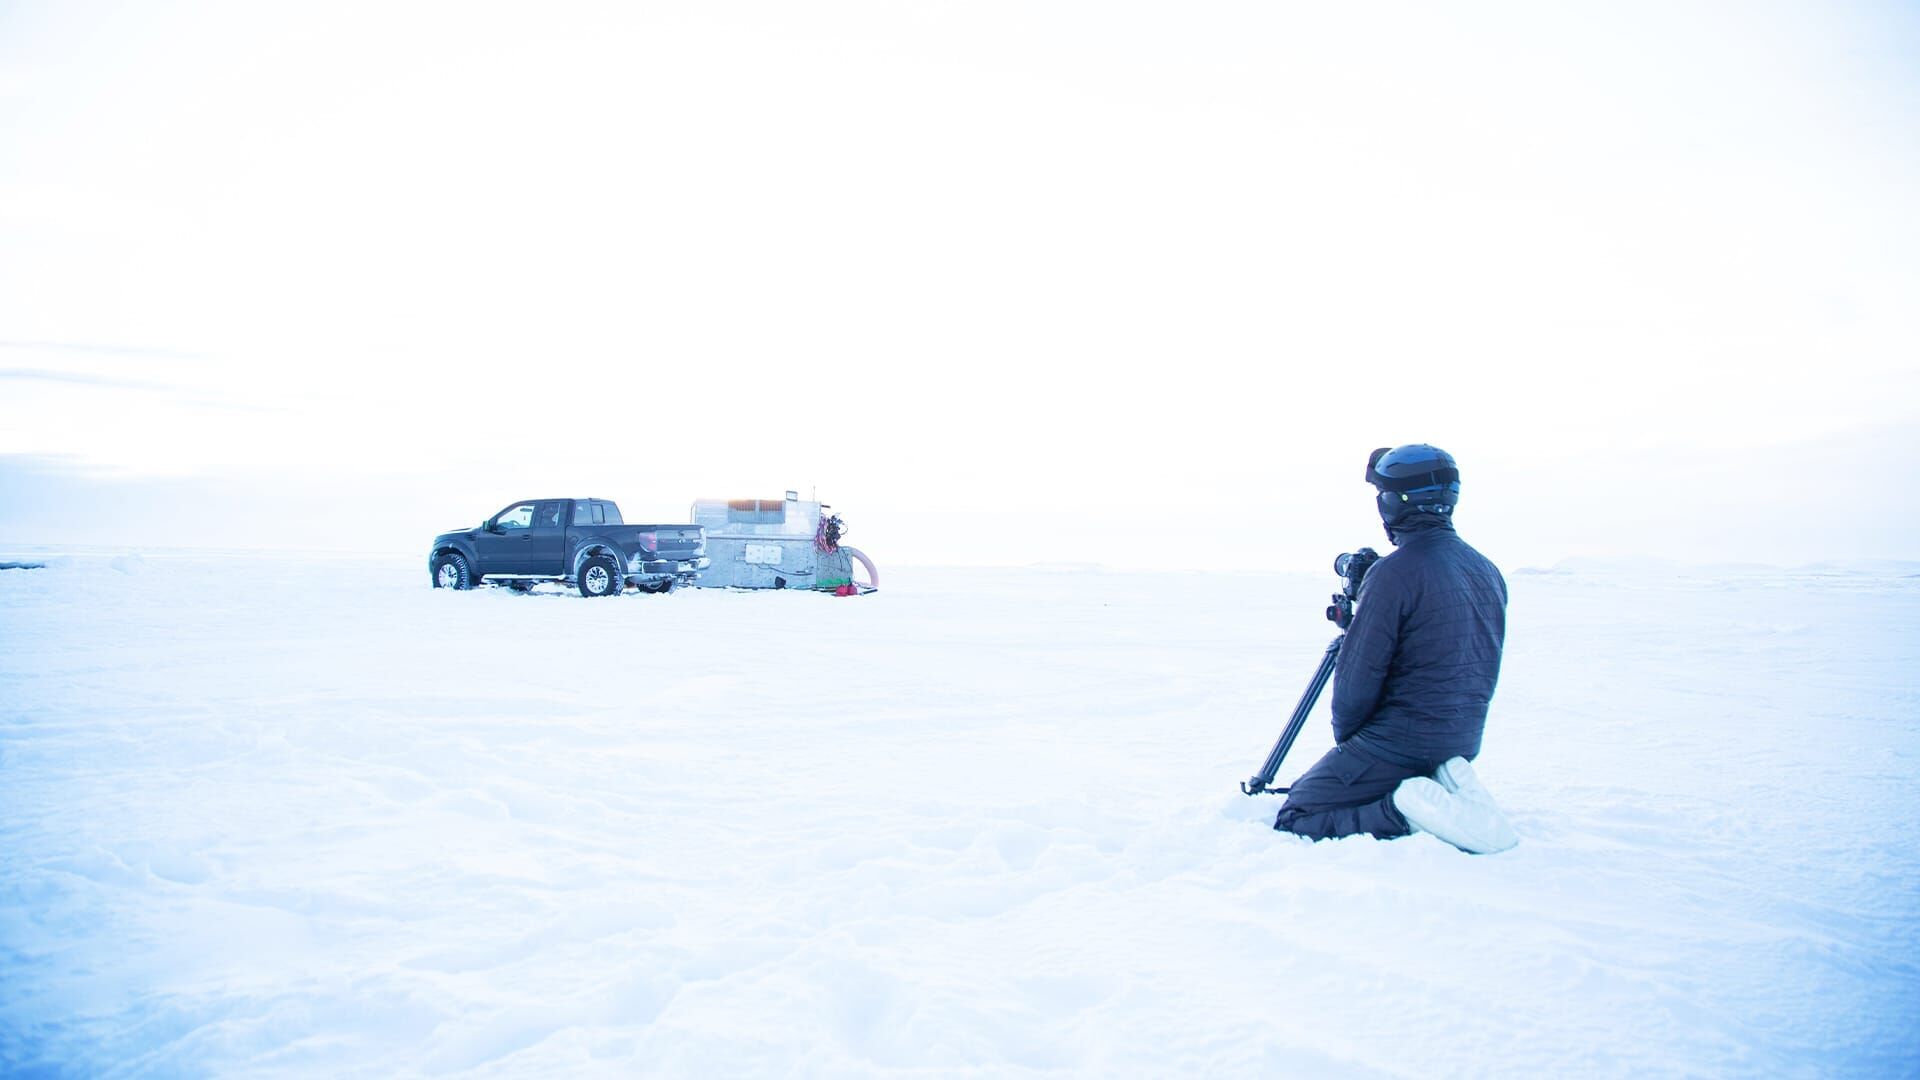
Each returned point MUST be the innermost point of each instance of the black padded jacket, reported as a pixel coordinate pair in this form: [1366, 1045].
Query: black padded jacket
[1419, 664]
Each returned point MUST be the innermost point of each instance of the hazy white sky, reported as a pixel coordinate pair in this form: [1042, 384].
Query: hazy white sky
[1005, 282]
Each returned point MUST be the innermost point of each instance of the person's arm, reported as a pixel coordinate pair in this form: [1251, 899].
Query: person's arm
[1360, 675]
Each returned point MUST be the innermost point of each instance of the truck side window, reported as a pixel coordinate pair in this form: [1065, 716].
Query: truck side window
[586, 512]
[549, 515]
[613, 514]
[520, 517]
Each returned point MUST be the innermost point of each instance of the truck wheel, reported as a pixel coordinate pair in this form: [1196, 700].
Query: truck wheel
[600, 577]
[451, 571]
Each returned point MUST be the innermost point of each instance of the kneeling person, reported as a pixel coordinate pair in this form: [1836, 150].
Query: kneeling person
[1414, 678]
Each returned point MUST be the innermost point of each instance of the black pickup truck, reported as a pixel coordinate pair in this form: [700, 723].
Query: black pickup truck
[578, 541]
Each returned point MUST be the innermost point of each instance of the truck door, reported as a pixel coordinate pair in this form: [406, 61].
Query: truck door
[503, 550]
[547, 546]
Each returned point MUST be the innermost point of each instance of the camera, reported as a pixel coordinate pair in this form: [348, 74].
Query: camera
[1352, 567]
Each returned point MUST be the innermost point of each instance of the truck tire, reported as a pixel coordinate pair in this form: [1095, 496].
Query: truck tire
[450, 571]
[600, 576]
[657, 587]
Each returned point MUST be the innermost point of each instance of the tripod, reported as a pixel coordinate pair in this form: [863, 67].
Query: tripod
[1258, 783]
[1352, 568]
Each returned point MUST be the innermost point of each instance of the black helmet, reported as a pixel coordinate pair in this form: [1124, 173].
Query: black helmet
[1414, 478]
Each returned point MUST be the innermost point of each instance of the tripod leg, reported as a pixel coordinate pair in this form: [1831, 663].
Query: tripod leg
[1259, 782]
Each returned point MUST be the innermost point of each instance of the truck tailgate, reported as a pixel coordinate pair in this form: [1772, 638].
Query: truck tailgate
[677, 541]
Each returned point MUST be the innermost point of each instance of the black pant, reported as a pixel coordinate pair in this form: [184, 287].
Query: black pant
[1345, 793]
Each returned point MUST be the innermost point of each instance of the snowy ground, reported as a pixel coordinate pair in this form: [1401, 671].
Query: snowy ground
[273, 817]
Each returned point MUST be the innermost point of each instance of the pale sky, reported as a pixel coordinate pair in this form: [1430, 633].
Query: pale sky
[1138, 284]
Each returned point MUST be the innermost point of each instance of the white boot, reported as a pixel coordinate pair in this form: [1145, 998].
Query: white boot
[1471, 826]
[1458, 777]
